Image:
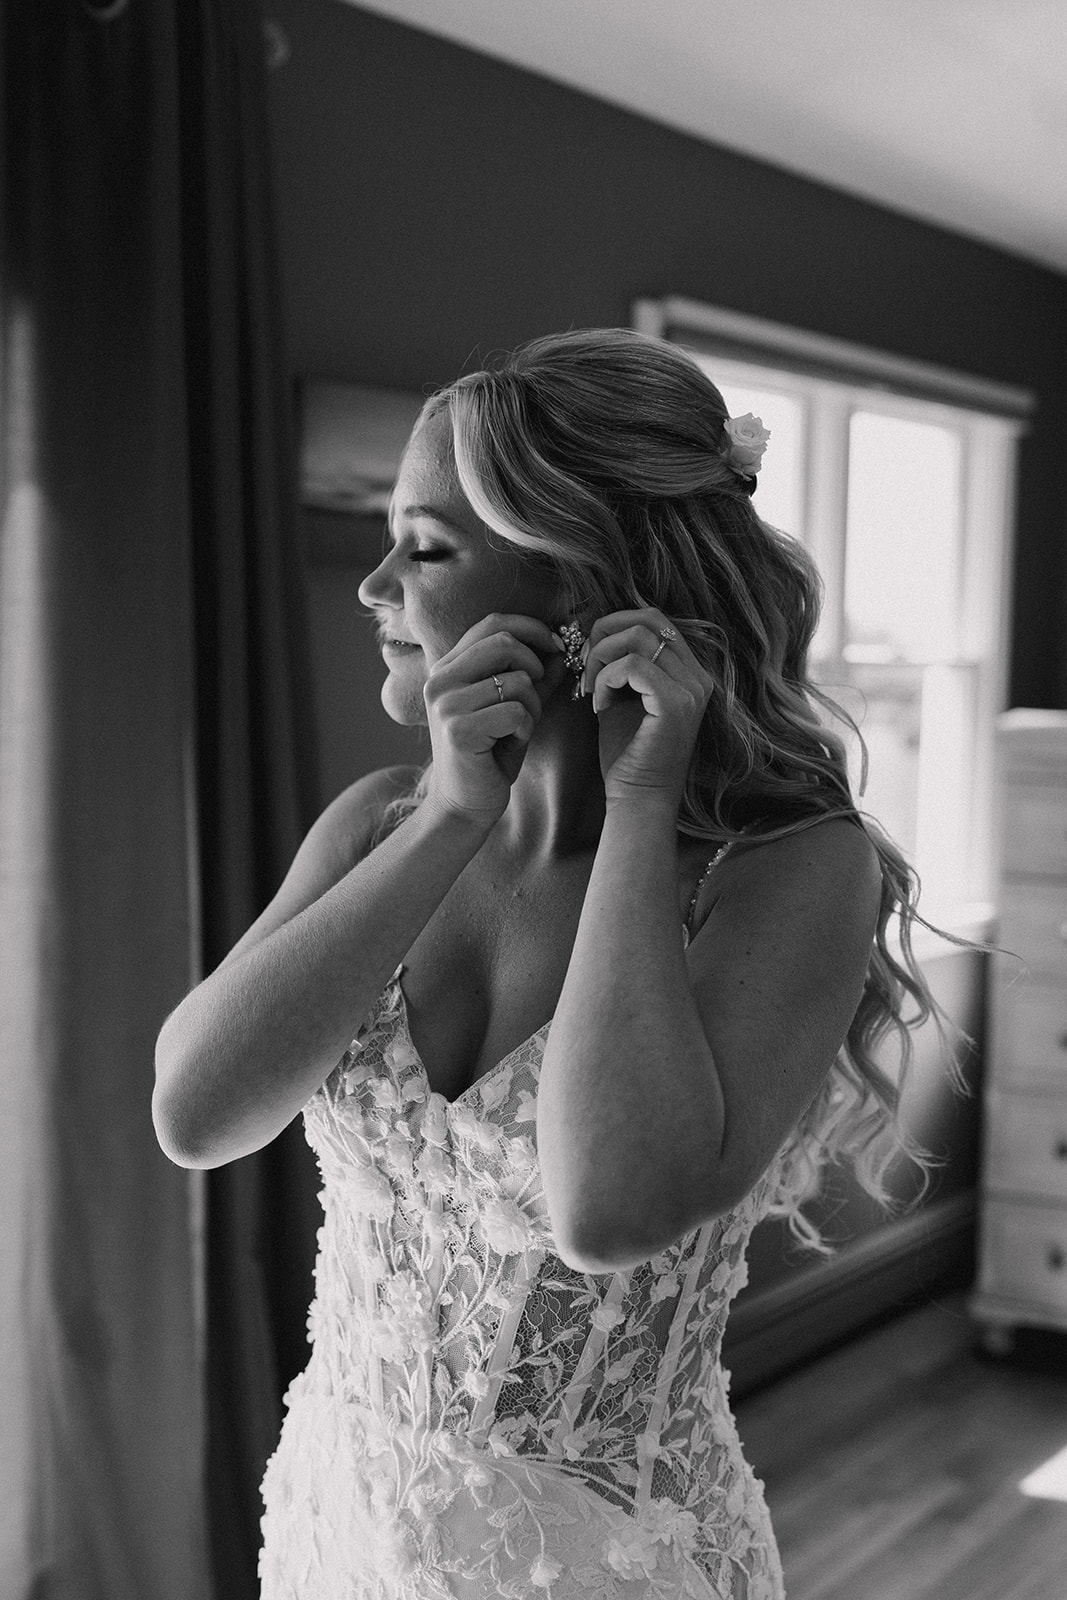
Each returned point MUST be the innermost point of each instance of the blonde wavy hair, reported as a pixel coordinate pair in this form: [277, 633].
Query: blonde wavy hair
[600, 453]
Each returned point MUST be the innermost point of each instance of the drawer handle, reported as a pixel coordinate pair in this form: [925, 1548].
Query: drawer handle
[1055, 1258]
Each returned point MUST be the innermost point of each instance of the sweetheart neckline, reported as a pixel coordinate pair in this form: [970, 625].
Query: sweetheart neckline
[544, 1026]
[497, 1065]
[478, 1081]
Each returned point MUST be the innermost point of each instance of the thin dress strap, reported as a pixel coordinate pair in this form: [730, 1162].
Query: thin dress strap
[716, 858]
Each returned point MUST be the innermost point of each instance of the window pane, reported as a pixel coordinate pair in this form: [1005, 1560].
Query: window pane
[885, 702]
[780, 496]
[902, 542]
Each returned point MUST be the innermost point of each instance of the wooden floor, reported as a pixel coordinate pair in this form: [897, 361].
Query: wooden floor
[892, 1465]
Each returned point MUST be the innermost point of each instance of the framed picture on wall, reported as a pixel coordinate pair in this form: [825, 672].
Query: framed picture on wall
[351, 440]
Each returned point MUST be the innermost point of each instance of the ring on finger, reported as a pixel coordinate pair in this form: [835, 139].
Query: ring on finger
[666, 634]
[499, 688]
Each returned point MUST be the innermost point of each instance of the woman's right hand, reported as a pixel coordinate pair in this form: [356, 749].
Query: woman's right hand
[480, 739]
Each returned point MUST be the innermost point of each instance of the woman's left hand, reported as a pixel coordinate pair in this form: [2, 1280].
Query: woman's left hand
[649, 711]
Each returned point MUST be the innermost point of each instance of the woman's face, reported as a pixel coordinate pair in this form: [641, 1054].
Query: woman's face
[441, 575]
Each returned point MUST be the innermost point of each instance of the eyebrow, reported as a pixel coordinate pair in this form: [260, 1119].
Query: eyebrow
[433, 513]
[429, 512]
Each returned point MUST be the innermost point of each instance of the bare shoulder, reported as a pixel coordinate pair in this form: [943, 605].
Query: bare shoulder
[828, 874]
[836, 849]
[341, 836]
[777, 970]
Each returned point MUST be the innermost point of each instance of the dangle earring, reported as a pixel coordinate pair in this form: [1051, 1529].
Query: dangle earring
[574, 641]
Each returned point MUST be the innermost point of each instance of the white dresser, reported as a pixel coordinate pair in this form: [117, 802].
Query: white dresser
[1022, 1278]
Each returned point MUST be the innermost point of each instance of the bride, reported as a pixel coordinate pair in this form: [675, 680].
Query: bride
[566, 1012]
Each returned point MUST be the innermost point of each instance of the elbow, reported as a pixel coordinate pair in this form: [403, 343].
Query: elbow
[177, 1153]
[179, 1132]
[173, 1134]
[198, 1128]
[601, 1258]
[178, 1140]
[167, 1127]
[598, 1239]
[596, 1242]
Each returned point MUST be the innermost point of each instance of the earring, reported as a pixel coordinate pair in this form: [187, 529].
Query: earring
[574, 641]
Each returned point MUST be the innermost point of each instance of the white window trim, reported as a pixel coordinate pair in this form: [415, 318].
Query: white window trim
[834, 377]
[724, 332]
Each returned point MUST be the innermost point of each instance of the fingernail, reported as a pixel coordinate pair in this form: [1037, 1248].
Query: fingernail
[558, 642]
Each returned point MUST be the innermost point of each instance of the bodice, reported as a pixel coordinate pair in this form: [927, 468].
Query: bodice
[475, 1369]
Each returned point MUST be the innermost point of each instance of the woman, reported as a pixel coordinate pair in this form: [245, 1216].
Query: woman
[614, 961]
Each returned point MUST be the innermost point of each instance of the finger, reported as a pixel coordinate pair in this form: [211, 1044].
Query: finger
[507, 719]
[537, 635]
[449, 703]
[640, 676]
[516, 686]
[616, 621]
[498, 652]
[635, 640]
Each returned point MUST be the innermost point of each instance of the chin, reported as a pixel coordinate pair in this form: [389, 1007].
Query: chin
[403, 703]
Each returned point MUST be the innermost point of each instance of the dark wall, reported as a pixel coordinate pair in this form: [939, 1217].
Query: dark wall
[435, 205]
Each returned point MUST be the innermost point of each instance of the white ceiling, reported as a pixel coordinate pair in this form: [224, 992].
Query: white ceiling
[954, 111]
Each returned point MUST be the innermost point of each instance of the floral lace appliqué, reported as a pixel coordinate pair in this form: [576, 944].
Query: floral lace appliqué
[477, 1419]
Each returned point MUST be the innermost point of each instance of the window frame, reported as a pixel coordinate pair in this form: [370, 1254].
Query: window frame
[832, 379]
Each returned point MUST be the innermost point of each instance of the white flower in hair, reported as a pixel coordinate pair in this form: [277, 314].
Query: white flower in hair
[748, 440]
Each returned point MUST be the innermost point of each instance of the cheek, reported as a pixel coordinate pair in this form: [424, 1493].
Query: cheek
[442, 619]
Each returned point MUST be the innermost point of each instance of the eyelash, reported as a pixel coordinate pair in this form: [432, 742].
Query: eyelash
[428, 555]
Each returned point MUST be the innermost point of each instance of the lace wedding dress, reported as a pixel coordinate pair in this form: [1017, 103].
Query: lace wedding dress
[477, 1419]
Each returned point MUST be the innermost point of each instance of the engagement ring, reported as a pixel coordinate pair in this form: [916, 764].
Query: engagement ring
[665, 635]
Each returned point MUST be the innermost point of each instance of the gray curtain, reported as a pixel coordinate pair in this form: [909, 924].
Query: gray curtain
[256, 768]
[151, 777]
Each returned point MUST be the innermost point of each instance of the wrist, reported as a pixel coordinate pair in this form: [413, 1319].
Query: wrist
[439, 815]
[644, 802]
[646, 821]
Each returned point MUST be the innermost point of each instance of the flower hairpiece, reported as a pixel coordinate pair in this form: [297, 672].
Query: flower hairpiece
[748, 440]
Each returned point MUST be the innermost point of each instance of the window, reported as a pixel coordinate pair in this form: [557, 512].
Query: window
[899, 478]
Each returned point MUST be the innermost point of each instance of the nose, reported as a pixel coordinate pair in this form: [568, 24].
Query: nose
[380, 587]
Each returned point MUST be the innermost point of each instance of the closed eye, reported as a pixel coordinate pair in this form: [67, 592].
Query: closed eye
[429, 555]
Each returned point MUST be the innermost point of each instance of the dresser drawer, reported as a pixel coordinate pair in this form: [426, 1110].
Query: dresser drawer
[1032, 924]
[1024, 1253]
[1028, 1034]
[1026, 1145]
[1034, 827]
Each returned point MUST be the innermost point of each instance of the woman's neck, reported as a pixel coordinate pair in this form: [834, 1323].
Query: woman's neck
[557, 801]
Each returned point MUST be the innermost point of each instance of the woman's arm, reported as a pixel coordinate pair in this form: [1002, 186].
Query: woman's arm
[671, 1078]
[244, 1051]
[241, 1054]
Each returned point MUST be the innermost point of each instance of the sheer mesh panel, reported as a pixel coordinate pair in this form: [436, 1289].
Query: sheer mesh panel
[478, 1419]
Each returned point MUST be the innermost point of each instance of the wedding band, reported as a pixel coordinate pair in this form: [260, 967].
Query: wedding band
[665, 636]
[499, 687]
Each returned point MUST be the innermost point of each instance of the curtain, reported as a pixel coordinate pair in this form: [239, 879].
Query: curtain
[153, 776]
[257, 772]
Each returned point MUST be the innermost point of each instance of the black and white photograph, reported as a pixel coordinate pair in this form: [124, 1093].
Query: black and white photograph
[533, 800]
